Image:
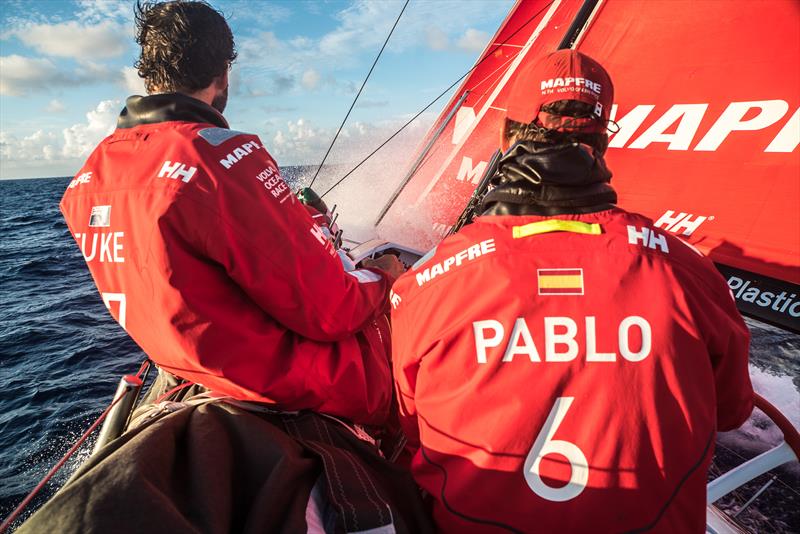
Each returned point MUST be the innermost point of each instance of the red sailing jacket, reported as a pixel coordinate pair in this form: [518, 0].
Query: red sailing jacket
[203, 254]
[567, 375]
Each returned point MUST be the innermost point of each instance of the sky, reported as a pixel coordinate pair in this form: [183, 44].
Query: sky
[66, 67]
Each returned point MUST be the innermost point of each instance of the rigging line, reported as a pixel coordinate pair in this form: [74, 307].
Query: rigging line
[358, 94]
[404, 126]
[502, 67]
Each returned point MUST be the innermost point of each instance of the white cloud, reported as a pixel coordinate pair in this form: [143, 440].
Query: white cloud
[75, 142]
[270, 43]
[49, 153]
[301, 42]
[80, 139]
[361, 27]
[365, 24]
[278, 109]
[102, 10]
[310, 79]
[19, 74]
[299, 140]
[473, 40]
[39, 146]
[366, 103]
[262, 13]
[132, 82]
[436, 38]
[55, 106]
[74, 40]
[302, 142]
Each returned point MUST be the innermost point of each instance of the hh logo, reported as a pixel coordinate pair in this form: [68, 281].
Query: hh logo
[395, 299]
[647, 238]
[682, 223]
[320, 236]
[177, 170]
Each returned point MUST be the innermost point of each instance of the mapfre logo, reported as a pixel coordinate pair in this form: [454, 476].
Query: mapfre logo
[681, 223]
[239, 153]
[82, 179]
[554, 83]
[679, 127]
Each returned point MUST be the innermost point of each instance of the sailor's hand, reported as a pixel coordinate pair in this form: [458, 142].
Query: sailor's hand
[387, 263]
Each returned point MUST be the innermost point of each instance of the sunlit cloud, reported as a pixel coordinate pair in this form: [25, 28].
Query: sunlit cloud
[310, 79]
[80, 139]
[73, 144]
[473, 40]
[436, 38]
[133, 83]
[55, 106]
[298, 62]
[75, 40]
[21, 74]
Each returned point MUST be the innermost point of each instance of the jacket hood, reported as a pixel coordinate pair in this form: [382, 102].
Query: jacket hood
[166, 107]
[544, 179]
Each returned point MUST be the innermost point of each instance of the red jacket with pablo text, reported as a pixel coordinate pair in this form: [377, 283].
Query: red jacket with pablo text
[206, 258]
[567, 374]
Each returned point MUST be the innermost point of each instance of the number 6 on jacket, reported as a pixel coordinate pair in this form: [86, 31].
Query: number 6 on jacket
[545, 445]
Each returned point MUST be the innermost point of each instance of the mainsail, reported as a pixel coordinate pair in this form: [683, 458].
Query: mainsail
[708, 107]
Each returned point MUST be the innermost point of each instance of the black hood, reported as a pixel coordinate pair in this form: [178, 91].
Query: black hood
[167, 107]
[544, 179]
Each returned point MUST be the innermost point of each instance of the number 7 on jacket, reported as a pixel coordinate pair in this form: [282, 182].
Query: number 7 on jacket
[544, 445]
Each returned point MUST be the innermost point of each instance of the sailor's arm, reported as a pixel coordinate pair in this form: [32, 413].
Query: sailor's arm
[729, 345]
[268, 243]
[405, 363]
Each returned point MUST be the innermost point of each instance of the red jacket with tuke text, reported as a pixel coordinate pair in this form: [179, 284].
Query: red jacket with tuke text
[210, 263]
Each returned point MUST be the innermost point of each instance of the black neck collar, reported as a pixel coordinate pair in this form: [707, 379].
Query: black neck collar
[544, 179]
[167, 107]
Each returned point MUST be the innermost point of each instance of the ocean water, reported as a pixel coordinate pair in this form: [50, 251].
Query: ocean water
[61, 356]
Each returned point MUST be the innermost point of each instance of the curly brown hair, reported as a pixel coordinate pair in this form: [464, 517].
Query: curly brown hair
[185, 45]
[567, 109]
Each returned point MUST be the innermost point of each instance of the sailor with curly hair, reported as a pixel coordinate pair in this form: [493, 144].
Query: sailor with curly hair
[271, 355]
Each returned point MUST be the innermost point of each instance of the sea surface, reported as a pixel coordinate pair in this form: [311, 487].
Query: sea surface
[61, 356]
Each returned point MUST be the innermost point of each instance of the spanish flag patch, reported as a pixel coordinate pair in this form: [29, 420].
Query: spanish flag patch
[560, 281]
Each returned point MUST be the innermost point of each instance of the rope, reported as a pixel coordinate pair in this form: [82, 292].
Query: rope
[173, 391]
[502, 67]
[404, 126]
[358, 94]
[26, 501]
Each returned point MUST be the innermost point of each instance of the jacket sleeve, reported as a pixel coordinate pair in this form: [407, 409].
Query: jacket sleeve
[405, 363]
[269, 245]
[728, 342]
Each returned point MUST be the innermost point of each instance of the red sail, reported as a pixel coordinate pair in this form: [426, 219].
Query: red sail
[708, 104]
[436, 194]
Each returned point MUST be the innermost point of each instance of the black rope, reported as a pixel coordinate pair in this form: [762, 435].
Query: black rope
[358, 94]
[404, 126]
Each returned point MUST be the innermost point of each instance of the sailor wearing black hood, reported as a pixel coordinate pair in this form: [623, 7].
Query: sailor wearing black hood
[562, 365]
[556, 161]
